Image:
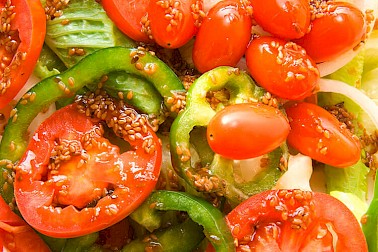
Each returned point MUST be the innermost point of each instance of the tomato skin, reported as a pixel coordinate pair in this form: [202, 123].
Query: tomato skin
[292, 76]
[51, 199]
[222, 37]
[287, 19]
[317, 133]
[16, 234]
[127, 16]
[247, 130]
[30, 24]
[335, 32]
[163, 31]
[275, 220]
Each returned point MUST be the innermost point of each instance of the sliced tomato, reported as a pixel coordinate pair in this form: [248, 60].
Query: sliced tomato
[247, 130]
[72, 181]
[22, 40]
[339, 27]
[116, 236]
[295, 220]
[16, 234]
[128, 16]
[287, 19]
[172, 22]
[317, 133]
[223, 36]
[283, 68]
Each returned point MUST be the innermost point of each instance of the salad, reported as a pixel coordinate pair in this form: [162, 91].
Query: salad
[171, 125]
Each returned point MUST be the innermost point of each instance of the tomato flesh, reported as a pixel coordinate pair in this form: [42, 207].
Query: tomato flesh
[85, 184]
[317, 133]
[295, 220]
[283, 68]
[340, 28]
[287, 19]
[247, 130]
[223, 36]
[21, 45]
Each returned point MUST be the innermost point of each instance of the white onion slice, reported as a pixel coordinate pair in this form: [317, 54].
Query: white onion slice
[366, 104]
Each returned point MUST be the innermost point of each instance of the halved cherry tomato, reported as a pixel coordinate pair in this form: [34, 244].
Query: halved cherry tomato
[15, 234]
[72, 181]
[339, 27]
[283, 68]
[247, 130]
[22, 40]
[223, 36]
[287, 19]
[317, 133]
[295, 220]
[128, 16]
[171, 22]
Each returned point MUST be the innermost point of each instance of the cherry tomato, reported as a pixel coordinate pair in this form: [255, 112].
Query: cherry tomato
[22, 40]
[283, 68]
[171, 22]
[128, 16]
[287, 19]
[15, 234]
[223, 36]
[295, 220]
[247, 130]
[339, 28]
[317, 133]
[72, 181]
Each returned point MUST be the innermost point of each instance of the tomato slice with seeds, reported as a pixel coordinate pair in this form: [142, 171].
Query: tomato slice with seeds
[15, 234]
[317, 133]
[223, 36]
[340, 26]
[172, 23]
[247, 130]
[84, 184]
[288, 19]
[129, 16]
[22, 40]
[283, 68]
[295, 220]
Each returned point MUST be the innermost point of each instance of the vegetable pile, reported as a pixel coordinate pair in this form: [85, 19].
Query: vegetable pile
[172, 125]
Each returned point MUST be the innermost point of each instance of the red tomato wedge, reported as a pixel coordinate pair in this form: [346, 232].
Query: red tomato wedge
[318, 134]
[295, 220]
[15, 234]
[128, 16]
[72, 181]
[22, 41]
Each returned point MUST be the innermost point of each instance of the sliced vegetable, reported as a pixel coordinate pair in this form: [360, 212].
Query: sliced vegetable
[295, 220]
[247, 130]
[337, 28]
[317, 133]
[223, 36]
[283, 68]
[16, 234]
[287, 19]
[172, 23]
[23, 29]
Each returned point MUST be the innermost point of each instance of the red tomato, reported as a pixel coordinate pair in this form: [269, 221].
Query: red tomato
[15, 234]
[317, 133]
[295, 220]
[223, 36]
[22, 41]
[116, 236]
[128, 16]
[283, 68]
[247, 130]
[287, 19]
[171, 22]
[92, 187]
[339, 28]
